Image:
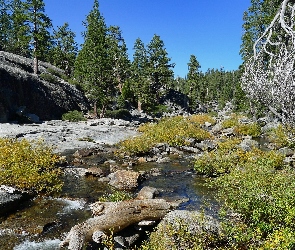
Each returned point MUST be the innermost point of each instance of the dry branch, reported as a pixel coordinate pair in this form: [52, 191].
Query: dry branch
[269, 76]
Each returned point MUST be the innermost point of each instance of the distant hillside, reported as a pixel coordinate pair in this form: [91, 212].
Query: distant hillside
[47, 95]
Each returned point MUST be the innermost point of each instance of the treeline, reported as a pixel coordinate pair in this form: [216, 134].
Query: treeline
[102, 68]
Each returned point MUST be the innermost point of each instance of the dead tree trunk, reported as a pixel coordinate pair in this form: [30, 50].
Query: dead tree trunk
[115, 216]
[269, 75]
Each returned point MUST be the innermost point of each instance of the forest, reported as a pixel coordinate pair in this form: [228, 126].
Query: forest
[246, 157]
[101, 67]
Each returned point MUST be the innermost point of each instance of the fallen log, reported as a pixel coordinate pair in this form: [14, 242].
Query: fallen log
[112, 217]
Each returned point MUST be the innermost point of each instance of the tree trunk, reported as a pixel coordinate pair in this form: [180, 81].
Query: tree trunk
[36, 65]
[103, 111]
[112, 217]
[139, 105]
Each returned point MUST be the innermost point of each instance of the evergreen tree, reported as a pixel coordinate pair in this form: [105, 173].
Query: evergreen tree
[119, 56]
[39, 25]
[5, 24]
[65, 49]
[19, 38]
[93, 67]
[159, 66]
[195, 88]
[140, 80]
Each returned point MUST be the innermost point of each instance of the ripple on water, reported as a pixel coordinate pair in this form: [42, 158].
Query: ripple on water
[32, 245]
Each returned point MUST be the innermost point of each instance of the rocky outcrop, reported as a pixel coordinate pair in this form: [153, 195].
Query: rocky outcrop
[19, 87]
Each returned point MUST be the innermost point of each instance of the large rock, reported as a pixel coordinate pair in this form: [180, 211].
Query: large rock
[10, 199]
[124, 179]
[19, 87]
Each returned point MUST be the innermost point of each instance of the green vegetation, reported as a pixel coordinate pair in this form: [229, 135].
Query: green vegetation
[256, 185]
[281, 136]
[253, 129]
[174, 131]
[116, 195]
[73, 116]
[29, 165]
[179, 236]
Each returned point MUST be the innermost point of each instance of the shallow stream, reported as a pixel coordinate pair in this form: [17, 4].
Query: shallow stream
[41, 223]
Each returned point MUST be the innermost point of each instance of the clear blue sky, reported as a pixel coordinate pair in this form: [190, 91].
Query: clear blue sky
[209, 29]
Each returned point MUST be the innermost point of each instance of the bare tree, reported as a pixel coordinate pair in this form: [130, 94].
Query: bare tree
[269, 75]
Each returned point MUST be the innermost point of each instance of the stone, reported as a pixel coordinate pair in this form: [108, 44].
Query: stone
[95, 171]
[45, 100]
[10, 199]
[163, 160]
[248, 144]
[124, 179]
[216, 128]
[147, 193]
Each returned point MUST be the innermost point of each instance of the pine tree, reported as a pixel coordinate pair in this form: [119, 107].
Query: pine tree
[39, 24]
[140, 80]
[195, 91]
[65, 49]
[93, 67]
[119, 56]
[19, 38]
[159, 66]
[5, 24]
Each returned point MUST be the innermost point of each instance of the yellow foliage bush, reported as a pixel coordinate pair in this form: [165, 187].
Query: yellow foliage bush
[29, 166]
[174, 131]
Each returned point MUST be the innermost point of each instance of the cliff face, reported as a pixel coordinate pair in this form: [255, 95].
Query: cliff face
[19, 87]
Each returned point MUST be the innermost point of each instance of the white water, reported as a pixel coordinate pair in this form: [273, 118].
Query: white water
[45, 245]
[72, 204]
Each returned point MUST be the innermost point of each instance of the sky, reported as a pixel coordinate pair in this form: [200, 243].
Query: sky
[209, 29]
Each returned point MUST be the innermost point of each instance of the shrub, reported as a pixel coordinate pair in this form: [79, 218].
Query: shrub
[252, 129]
[201, 119]
[118, 114]
[73, 116]
[115, 196]
[49, 77]
[260, 188]
[282, 136]
[174, 131]
[220, 161]
[29, 166]
[178, 235]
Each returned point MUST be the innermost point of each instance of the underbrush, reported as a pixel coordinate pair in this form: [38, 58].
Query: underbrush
[258, 188]
[29, 166]
[73, 116]
[253, 129]
[174, 131]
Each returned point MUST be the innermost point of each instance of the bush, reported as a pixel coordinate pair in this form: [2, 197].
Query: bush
[257, 186]
[174, 131]
[252, 129]
[49, 78]
[118, 114]
[115, 196]
[29, 166]
[73, 116]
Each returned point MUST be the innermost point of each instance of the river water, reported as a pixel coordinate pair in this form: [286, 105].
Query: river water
[41, 223]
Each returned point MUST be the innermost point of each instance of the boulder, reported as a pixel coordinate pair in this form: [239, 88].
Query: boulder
[19, 87]
[124, 179]
[10, 199]
[248, 144]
